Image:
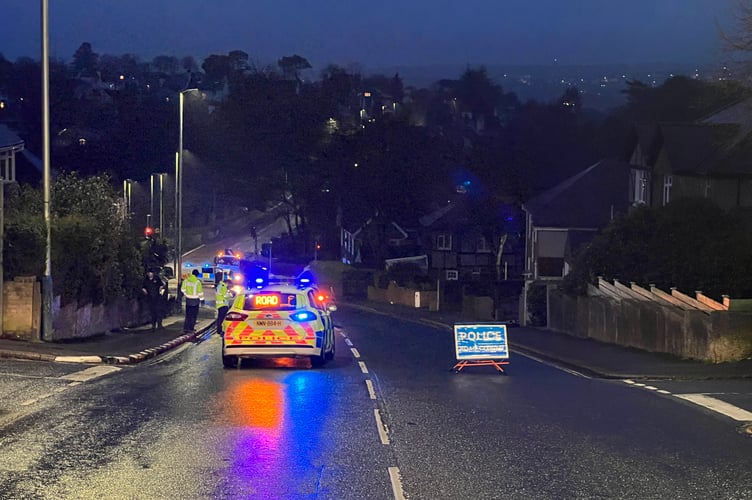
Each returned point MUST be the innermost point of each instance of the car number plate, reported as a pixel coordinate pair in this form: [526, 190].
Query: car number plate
[269, 323]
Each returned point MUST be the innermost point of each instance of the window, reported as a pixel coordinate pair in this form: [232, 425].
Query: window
[481, 245]
[444, 241]
[638, 186]
[452, 275]
[668, 181]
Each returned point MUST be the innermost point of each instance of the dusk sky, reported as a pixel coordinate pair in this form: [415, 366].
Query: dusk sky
[381, 33]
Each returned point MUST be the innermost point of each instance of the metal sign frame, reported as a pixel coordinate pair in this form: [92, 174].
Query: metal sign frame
[481, 344]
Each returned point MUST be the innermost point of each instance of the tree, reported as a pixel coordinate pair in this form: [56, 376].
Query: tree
[85, 60]
[217, 69]
[93, 257]
[291, 66]
[165, 64]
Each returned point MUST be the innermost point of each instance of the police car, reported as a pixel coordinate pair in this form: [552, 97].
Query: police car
[279, 320]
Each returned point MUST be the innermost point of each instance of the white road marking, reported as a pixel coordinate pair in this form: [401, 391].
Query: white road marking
[363, 367]
[371, 392]
[570, 371]
[383, 433]
[651, 388]
[719, 406]
[348, 342]
[628, 381]
[394, 477]
[30, 402]
[355, 352]
[662, 391]
[78, 359]
[91, 373]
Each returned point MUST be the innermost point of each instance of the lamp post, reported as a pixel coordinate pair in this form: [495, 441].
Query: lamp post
[161, 201]
[46, 176]
[179, 182]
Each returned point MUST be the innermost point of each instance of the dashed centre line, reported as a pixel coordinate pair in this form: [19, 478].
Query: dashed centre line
[371, 392]
[394, 472]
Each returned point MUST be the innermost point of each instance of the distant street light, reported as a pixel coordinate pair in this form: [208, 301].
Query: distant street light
[161, 200]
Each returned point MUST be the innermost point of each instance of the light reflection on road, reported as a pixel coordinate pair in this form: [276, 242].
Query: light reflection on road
[274, 431]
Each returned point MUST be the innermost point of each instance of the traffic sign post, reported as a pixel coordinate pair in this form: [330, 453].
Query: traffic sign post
[481, 344]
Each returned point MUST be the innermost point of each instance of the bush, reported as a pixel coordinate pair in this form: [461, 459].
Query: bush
[690, 244]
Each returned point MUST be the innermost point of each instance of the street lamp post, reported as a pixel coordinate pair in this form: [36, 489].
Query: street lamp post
[179, 182]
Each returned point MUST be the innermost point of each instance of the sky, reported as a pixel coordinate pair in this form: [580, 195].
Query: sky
[380, 33]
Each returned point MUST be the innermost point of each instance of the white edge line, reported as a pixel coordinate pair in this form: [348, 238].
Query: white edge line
[348, 342]
[394, 477]
[355, 352]
[718, 406]
[371, 392]
[363, 367]
[383, 434]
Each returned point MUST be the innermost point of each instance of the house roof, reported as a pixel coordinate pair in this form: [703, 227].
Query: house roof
[739, 113]
[9, 139]
[585, 200]
[696, 148]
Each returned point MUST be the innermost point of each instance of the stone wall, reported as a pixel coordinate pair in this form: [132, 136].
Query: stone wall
[22, 309]
[22, 314]
[73, 321]
[715, 336]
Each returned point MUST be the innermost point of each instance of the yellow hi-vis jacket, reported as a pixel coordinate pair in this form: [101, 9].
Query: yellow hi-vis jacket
[223, 295]
[192, 288]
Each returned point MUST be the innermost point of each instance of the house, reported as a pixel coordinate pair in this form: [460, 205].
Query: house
[708, 158]
[560, 220]
[10, 144]
[465, 245]
[374, 240]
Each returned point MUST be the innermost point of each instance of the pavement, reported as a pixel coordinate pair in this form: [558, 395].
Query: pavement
[597, 359]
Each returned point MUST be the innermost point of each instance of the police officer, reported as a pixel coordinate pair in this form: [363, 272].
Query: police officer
[194, 295]
[152, 290]
[224, 297]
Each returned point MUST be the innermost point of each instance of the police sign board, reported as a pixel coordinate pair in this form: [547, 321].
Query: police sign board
[481, 341]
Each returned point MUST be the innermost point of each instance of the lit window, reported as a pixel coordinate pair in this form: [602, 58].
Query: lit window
[82, 142]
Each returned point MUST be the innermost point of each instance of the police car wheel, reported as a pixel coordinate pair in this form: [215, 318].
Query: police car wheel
[320, 360]
[330, 355]
[229, 361]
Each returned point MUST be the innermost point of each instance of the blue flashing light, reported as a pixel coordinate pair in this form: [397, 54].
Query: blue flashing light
[187, 264]
[305, 279]
[510, 218]
[259, 280]
[303, 316]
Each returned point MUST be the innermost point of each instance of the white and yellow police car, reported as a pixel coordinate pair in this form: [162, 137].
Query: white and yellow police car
[280, 320]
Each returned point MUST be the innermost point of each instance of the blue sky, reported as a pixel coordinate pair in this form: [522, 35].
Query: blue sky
[379, 33]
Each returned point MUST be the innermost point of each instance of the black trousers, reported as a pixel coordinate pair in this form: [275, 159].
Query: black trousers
[155, 310]
[221, 313]
[191, 314]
